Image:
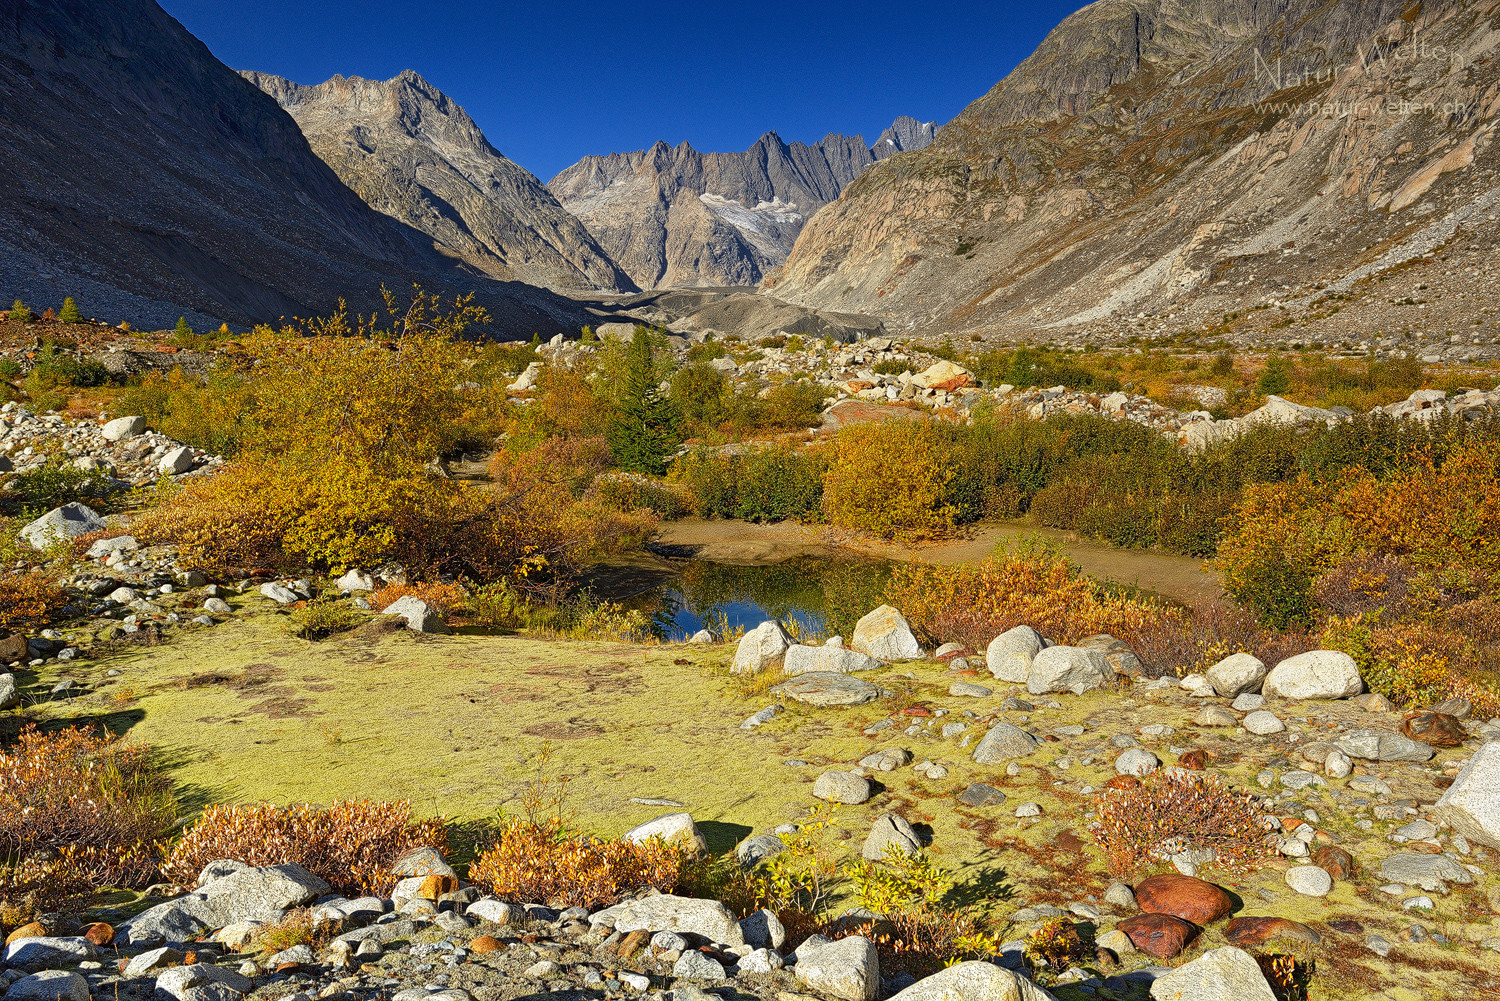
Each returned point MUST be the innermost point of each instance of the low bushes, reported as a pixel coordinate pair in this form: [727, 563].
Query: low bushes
[79, 810]
[351, 843]
[1031, 585]
[893, 479]
[771, 484]
[29, 599]
[1146, 821]
[543, 862]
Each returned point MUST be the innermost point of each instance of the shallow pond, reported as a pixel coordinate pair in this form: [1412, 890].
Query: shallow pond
[814, 597]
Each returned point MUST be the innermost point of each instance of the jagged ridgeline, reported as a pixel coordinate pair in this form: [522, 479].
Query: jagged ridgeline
[672, 216]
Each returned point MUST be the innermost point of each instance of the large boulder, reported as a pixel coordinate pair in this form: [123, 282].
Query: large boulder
[847, 968]
[1003, 742]
[1223, 974]
[890, 829]
[1009, 655]
[828, 688]
[49, 985]
[974, 980]
[1317, 674]
[944, 375]
[1237, 674]
[35, 953]
[706, 918]
[761, 649]
[1068, 669]
[123, 427]
[1383, 745]
[1472, 803]
[885, 635]
[1185, 897]
[807, 659]
[420, 617]
[1117, 653]
[842, 787]
[10, 695]
[246, 893]
[673, 828]
[62, 524]
[180, 981]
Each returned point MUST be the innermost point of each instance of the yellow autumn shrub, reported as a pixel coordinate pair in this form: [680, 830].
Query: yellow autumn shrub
[892, 479]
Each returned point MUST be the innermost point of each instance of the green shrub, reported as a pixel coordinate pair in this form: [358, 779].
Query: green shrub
[55, 367]
[779, 484]
[891, 366]
[1276, 378]
[69, 312]
[698, 392]
[52, 485]
[9, 368]
[21, 313]
[706, 352]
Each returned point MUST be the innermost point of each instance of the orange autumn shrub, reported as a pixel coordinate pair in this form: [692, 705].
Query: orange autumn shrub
[443, 598]
[1031, 585]
[352, 843]
[81, 809]
[1144, 822]
[28, 599]
[542, 863]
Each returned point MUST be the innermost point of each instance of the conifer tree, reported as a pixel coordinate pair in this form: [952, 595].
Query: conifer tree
[69, 312]
[183, 330]
[20, 313]
[643, 433]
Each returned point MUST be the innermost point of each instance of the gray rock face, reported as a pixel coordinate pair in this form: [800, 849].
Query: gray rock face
[1224, 974]
[1138, 762]
[980, 794]
[49, 985]
[412, 153]
[245, 894]
[757, 848]
[61, 524]
[35, 953]
[1117, 653]
[1009, 655]
[216, 234]
[694, 965]
[1262, 722]
[673, 828]
[842, 787]
[674, 216]
[828, 689]
[1068, 669]
[123, 427]
[1003, 742]
[1237, 674]
[181, 980]
[179, 460]
[1471, 805]
[1383, 745]
[807, 659]
[1309, 880]
[419, 616]
[761, 649]
[1317, 674]
[904, 134]
[890, 829]
[974, 980]
[278, 593]
[847, 968]
[885, 635]
[1430, 872]
[10, 695]
[763, 930]
[708, 919]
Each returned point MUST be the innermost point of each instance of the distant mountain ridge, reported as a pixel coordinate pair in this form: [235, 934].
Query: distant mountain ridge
[414, 154]
[148, 179]
[903, 135]
[672, 216]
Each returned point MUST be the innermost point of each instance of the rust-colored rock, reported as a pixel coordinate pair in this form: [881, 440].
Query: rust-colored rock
[1194, 760]
[916, 711]
[99, 933]
[437, 884]
[1249, 932]
[485, 944]
[632, 943]
[1434, 729]
[1159, 935]
[33, 930]
[1185, 897]
[1123, 782]
[1336, 861]
[288, 967]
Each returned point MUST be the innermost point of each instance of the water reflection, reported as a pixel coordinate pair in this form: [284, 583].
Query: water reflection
[815, 597]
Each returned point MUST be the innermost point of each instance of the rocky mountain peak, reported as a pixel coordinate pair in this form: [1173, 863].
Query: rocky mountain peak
[905, 133]
[412, 152]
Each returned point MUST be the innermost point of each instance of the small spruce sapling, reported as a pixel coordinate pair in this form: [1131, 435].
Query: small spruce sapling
[69, 312]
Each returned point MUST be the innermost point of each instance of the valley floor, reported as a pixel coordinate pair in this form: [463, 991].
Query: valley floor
[459, 725]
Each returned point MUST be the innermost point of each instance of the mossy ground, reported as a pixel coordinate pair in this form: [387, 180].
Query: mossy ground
[457, 724]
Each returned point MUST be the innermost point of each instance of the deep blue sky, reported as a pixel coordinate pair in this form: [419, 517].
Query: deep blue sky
[549, 83]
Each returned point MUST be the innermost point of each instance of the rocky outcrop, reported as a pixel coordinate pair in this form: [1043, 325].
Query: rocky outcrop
[412, 153]
[672, 216]
[905, 133]
[1177, 156]
[149, 180]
